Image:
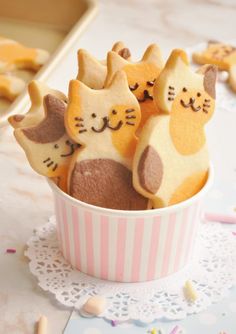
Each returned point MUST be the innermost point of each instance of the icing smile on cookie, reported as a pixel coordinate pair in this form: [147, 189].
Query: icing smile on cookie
[107, 125]
[73, 147]
[190, 104]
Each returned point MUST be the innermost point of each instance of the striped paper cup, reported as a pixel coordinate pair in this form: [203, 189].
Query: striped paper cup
[127, 246]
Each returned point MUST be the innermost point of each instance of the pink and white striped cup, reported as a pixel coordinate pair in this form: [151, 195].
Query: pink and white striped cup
[127, 246]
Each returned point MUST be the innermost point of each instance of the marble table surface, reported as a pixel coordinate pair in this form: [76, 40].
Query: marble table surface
[25, 198]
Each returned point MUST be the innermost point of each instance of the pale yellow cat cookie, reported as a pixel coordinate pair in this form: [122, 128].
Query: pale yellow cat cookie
[220, 54]
[171, 160]
[47, 146]
[92, 72]
[141, 77]
[37, 90]
[14, 55]
[10, 86]
[104, 122]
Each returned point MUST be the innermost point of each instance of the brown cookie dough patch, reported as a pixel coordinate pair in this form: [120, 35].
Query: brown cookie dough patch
[125, 53]
[105, 183]
[210, 79]
[52, 127]
[150, 170]
[18, 118]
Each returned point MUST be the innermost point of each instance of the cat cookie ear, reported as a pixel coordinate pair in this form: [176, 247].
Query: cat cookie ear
[91, 71]
[122, 50]
[178, 58]
[52, 126]
[210, 76]
[153, 55]
[114, 64]
[119, 82]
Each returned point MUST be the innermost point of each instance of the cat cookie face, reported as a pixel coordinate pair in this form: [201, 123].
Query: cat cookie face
[141, 77]
[92, 72]
[171, 160]
[47, 145]
[98, 116]
[220, 54]
[10, 86]
[35, 115]
[14, 55]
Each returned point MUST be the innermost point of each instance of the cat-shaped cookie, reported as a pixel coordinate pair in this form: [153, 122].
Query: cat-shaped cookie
[171, 161]
[104, 122]
[47, 146]
[141, 77]
[10, 86]
[37, 90]
[93, 72]
[14, 55]
[220, 54]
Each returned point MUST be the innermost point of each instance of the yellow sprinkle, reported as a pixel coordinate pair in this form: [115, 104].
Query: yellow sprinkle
[190, 292]
[153, 331]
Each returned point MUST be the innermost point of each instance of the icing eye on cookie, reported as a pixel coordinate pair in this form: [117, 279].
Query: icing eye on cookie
[151, 83]
[134, 87]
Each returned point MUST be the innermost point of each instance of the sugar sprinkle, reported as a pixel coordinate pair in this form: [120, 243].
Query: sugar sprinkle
[114, 323]
[11, 250]
[175, 330]
[190, 292]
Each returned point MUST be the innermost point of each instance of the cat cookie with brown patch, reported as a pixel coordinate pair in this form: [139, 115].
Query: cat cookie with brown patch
[93, 72]
[47, 146]
[104, 122]
[10, 86]
[35, 115]
[14, 55]
[141, 77]
[171, 161]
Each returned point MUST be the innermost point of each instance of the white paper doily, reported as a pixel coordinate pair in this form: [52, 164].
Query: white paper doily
[213, 272]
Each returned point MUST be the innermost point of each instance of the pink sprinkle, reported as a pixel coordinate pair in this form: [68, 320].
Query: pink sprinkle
[113, 323]
[11, 250]
[174, 330]
[228, 219]
[234, 233]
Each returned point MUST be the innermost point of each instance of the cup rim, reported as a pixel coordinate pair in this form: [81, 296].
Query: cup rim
[152, 212]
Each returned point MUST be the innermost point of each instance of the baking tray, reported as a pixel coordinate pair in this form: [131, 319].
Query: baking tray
[53, 25]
